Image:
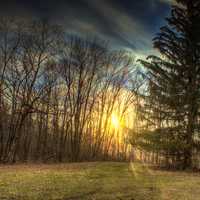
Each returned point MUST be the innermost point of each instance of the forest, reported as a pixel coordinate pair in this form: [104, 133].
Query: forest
[67, 98]
[74, 102]
[62, 96]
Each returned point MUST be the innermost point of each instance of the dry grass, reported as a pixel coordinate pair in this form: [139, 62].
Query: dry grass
[95, 181]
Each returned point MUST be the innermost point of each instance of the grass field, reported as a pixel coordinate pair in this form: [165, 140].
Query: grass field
[96, 181]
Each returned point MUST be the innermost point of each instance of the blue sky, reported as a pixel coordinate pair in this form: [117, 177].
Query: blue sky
[127, 24]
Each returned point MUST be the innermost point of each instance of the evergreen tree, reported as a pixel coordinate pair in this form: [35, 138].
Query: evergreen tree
[172, 103]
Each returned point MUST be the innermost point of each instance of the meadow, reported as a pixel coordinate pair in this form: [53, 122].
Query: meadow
[96, 181]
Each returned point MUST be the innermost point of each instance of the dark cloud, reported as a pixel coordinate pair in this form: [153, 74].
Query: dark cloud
[127, 24]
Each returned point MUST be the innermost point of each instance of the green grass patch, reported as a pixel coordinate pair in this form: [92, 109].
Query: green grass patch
[96, 181]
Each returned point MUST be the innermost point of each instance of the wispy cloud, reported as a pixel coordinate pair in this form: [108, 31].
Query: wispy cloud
[168, 1]
[126, 24]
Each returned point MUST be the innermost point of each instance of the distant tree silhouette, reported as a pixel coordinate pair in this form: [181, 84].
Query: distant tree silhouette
[57, 94]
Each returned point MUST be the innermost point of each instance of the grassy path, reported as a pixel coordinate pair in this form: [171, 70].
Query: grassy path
[96, 181]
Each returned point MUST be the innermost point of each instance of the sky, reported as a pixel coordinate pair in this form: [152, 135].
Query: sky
[125, 24]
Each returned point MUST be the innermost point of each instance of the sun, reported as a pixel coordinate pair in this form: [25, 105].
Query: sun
[115, 121]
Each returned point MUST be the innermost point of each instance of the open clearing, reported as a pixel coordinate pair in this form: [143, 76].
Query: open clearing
[96, 181]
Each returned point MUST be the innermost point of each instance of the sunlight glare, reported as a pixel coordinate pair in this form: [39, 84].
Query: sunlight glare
[115, 121]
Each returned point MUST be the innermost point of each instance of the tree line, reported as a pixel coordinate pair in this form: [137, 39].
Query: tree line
[58, 92]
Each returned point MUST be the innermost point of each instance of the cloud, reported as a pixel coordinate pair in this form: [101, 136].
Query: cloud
[126, 24]
[170, 2]
[123, 28]
[112, 23]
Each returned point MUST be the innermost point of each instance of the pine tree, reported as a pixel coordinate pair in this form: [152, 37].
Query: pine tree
[172, 103]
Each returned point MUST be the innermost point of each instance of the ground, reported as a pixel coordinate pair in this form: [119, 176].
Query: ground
[96, 181]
